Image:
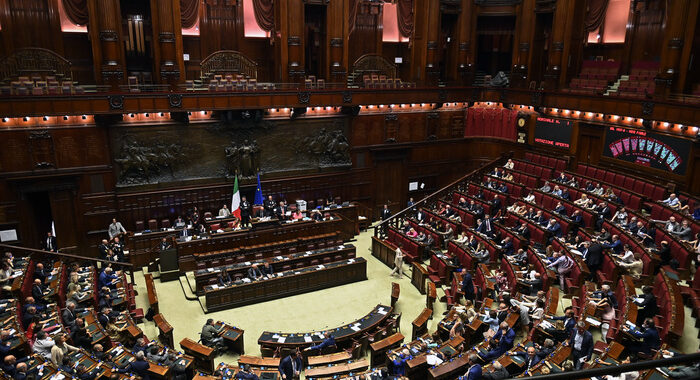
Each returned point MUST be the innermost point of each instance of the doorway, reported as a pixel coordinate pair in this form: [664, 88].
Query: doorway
[315, 47]
[40, 205]
[495, 43]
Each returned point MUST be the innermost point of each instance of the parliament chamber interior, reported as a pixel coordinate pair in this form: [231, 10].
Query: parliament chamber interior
[349, 189]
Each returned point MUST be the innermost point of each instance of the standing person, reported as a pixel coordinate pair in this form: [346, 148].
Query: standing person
[290, 367]
[115, 229]
[563, 265]
[245, 212]
[50, 243]
[386, 213]
[581, 343]
[398, 262]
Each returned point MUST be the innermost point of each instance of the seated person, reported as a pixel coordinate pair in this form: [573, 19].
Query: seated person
[210, 334]
[500, 343]
[267, 269]
[648, 335]
[254, 273]
[328, 341]
[223, 279]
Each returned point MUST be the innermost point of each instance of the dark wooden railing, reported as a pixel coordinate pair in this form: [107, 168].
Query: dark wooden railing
[31, 252]
[397, 218]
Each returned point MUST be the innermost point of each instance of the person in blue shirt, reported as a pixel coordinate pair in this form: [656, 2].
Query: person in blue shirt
[398, 362]
[501, 342]
[615, 245]
[648, 335]
[474, 371]
[328, 340]
[107, 278]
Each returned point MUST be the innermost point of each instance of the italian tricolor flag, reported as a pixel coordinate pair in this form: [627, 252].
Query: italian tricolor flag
[236, 200]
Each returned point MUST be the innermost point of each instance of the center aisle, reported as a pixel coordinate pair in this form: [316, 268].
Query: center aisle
[317, 310]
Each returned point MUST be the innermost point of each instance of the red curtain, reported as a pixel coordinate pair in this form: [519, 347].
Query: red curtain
[404, 14]
[76, 11]
[491, 122]
[354, 6]
[189, 13]
[595, 14]
[265, 14]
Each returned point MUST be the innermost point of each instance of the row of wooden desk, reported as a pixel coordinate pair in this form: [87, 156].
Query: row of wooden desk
[140, 244]
[204, 277]
[283, 284]
[272, 341]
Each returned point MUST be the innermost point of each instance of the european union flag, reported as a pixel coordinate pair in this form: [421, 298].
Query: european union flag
[259, 199]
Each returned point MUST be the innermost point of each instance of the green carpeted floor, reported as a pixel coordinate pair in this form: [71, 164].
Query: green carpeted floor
[317, 310]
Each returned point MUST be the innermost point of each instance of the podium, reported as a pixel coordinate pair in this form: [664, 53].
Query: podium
[169, 265]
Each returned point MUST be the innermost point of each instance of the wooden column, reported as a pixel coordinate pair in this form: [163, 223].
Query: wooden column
[432, 69]
[677, 15]
[561, 17]
[169, 66]
[525, 27]
[294, 15]
[106, 37]
[337, 51]
[424, 41]
[690, 26]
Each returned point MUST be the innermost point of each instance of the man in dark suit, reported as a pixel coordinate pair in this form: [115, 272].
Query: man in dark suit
[38, 291]
[165, 244]
[581, 343]
[530, 357]
[487, 228]
[576, 221]
[501, 342]
[117, 250]
[569, 324]
[507, 246]
[245, 212]
[467, 286]
[664, 254]
[593, 256]
[554, 228]
[280, 211]
[647, 307]
[603, 213]
[290, 367]
[103, 317]
[269, 205]
[68, 315]
[138, 367]
[40, 273]
[386, 213]
[615, 245]
[104, 250]
[495, 205]
[524, 231]
[560, 209]
[420, 216]
[474, 371]
[49, 243]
